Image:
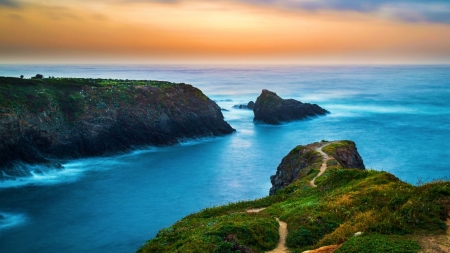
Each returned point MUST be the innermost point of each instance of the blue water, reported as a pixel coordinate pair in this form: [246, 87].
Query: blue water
[399, 117]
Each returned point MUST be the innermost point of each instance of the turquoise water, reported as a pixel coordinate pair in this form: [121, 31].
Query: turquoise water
[399, 117]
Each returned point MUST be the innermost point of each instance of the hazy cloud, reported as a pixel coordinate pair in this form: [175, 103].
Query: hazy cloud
[9, 3]
[405, 10]
[436, 11]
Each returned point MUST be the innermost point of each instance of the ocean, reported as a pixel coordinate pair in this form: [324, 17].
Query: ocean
[399, 117]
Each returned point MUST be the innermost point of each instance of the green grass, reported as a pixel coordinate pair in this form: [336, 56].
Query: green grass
[388, 212]
[71, 95]
[376, 243]
[330, 149]
[220, 233]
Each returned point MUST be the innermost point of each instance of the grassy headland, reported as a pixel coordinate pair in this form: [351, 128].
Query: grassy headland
[71, 94]
[65, 118]
[392, 215]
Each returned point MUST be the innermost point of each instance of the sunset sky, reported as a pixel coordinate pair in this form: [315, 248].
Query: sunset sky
[225, 31]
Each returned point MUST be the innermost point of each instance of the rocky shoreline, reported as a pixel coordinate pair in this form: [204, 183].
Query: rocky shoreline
[42, 120]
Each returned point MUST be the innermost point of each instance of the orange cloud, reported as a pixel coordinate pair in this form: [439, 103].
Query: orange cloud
[203, 30]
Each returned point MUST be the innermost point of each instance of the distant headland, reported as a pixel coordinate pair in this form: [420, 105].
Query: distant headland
[47, 119]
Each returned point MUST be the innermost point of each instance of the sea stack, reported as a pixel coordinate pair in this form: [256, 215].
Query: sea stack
[269, 108]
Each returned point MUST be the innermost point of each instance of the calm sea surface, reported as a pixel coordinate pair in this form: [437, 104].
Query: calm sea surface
[399, 117]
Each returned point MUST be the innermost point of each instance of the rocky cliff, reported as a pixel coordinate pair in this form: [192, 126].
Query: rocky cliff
[59, 118]
[346, 154]
[302, 159]
[271, 109]
[294, 165]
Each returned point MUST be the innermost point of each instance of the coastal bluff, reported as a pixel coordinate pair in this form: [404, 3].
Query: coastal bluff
[64, 118]
[294, 165]
[269, 108]
[328, 208]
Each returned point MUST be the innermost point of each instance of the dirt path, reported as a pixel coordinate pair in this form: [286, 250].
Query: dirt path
[436, 243]
[281, 247]
[323, 168]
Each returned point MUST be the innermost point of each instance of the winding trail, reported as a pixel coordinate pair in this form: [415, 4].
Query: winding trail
[281, 247]
[323, 168]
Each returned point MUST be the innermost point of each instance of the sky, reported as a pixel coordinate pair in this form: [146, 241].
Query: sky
[225, 31]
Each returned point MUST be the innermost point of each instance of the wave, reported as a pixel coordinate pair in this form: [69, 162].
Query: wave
[8, 220]
[41, 175]
[74, 169]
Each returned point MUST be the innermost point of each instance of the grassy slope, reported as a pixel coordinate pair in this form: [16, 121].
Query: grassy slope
[35, 94]
[390, 213]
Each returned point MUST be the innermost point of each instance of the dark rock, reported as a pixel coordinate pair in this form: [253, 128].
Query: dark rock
[346, 153]
[272, 109]
[248, 106]
[224, 110]
[74, 126]
[293, 166]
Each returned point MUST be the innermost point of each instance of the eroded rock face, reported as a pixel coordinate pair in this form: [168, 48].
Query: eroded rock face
[100, 120]
[293, 166]
[302, 158]
[269, 108]
[346, 153]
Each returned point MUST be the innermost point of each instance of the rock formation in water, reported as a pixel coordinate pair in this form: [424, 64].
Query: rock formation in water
[297, 163]
[271, 109]
[250, 105]
[62, 118]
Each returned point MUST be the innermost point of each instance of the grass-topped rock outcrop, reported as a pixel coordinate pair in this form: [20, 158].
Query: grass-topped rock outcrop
[346, 154]
[388, 215]
[58, 118]
[269, 108]
[297, 163]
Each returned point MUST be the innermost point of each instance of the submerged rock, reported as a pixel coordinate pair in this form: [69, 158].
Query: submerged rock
[250, 105]
[70, 118]
[272, 109]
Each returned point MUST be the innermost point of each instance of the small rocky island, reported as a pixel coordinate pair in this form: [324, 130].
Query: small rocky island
[42, 119]
[269, 108]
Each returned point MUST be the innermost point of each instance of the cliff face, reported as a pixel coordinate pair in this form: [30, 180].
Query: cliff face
[343, 154]
[70, 118]
[346, 154]
[296, 164]
[271, 109]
